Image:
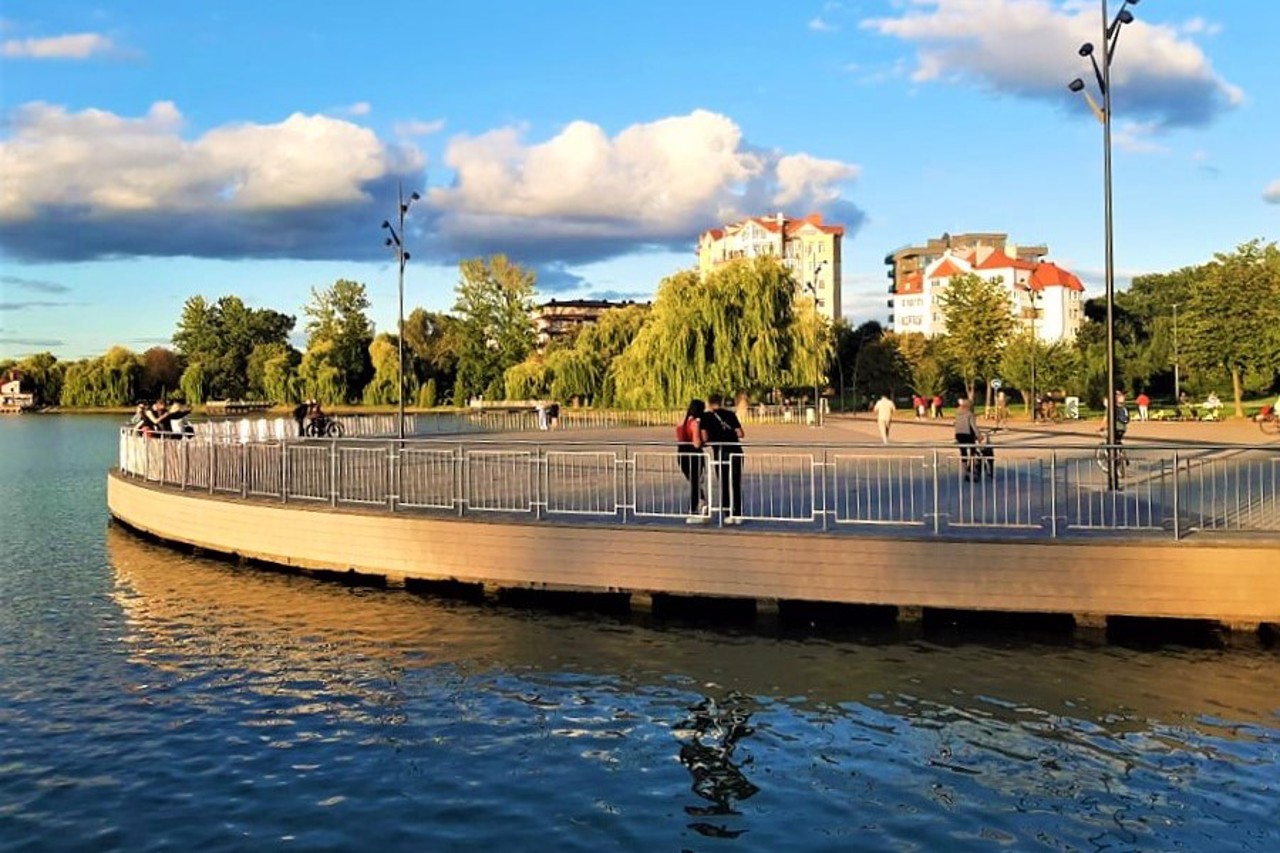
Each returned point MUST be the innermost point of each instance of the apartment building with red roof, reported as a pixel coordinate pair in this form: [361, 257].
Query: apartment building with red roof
[1046, 299]
[808, 247]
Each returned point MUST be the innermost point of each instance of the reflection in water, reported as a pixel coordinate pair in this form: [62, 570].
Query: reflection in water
[493, 725]
[710, 736]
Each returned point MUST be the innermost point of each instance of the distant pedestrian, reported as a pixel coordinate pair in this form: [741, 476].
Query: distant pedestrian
[884, 416]
[1144, 405]
[966, 432]
[553, 416]
[937, 405]
[722, 430]
[692, 461]
[300, 415]
[917, 406]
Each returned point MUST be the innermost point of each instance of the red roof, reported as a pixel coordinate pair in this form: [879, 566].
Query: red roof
[947, 269]
[1001, 261]
[1048, 274]
[911, 283]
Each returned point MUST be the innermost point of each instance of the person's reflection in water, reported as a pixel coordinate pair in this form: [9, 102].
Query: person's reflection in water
[710, 736]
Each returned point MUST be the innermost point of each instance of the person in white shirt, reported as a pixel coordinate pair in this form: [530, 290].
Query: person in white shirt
[884, 409]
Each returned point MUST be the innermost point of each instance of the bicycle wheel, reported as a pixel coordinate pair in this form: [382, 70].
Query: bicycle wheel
[334, 430]
[312, 430]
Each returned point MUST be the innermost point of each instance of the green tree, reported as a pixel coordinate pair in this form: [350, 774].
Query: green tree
[384, 388]
[338, 318]
[926, 370]
[221, 337]
[1233, 316]
[735, 330]
[427, 394]
[108, 380]
[431, 339]
[494, 305]
[979, 320]
[45, 373]
[319, 376]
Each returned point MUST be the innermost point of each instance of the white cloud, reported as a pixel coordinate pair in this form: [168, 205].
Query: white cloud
[123, 184]
[1272, 192]
[419, 128]
[359, 108]
[1199, 26]
[71, 46]
[820, 26]
[1028, 48]
[1137, 137]
[93, 184]
[655, 183]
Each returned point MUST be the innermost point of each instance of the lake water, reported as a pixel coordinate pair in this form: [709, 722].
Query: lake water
[151, 700]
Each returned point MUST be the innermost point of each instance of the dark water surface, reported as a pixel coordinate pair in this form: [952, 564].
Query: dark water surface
[151, 700]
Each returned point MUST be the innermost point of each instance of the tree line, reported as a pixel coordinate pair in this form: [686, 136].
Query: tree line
[741, 330]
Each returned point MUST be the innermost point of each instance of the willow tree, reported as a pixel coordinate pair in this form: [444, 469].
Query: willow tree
[979, 320]
[735, 330]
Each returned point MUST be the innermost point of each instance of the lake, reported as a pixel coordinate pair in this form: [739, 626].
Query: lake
[153, 700]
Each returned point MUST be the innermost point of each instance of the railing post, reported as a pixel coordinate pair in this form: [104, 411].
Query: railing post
[937, 502]
[244, 469]
[284, 471]
[460, 480]
[1053, 494]
[213, 464]
[333, 472]
[393, 474]
[1177, 511]
[820, 490]
[186, 463]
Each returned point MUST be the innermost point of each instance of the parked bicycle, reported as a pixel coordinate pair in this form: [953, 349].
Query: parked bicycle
[324, 427]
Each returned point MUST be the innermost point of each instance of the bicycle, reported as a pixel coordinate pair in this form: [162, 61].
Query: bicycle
[323, 427]
[1269, 422]
[1107, 455]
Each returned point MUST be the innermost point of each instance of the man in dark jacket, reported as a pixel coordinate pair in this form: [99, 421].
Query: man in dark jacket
[723, 431]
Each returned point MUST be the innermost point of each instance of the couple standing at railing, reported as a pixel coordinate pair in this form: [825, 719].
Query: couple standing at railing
[708, 424]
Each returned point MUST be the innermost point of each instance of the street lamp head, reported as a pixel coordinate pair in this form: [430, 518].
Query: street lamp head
[406, 256]
[1076, 85]
[386, 224]
[1086, 49]
[388, 241]
[414, 197]
[1125, 16]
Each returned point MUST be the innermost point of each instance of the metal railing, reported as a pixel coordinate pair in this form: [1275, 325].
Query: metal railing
[1027, 491]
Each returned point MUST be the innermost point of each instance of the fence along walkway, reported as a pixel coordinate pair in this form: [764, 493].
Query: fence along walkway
[1033, 492]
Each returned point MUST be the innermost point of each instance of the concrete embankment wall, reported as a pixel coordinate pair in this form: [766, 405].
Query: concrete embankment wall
[1237, 583]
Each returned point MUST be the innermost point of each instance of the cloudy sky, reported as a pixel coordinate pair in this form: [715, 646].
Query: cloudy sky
[154, 150]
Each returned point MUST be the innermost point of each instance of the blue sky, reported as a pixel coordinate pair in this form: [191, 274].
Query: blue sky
[155, 150]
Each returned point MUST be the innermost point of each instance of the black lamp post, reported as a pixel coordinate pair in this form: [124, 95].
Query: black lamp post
[1102, 72]
[396, 242]
[812, 287]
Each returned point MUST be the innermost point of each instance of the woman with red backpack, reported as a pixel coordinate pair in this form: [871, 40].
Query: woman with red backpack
[692, 462]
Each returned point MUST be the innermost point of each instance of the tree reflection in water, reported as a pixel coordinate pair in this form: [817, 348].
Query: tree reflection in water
[710, 736]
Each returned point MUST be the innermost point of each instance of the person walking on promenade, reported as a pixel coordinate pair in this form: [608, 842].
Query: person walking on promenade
[1144, 405]
[884, 416]
[966, 431]
[692, 462]
[937, 405]
[721, 429]
[917, 406]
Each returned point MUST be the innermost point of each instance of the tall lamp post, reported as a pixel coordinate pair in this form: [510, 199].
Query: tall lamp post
[812, 287]
[1034, 296]
[1102, 72]
[396, 242]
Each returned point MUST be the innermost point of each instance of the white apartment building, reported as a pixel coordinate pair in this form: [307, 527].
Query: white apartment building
[1045, 298]
[808, 247]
